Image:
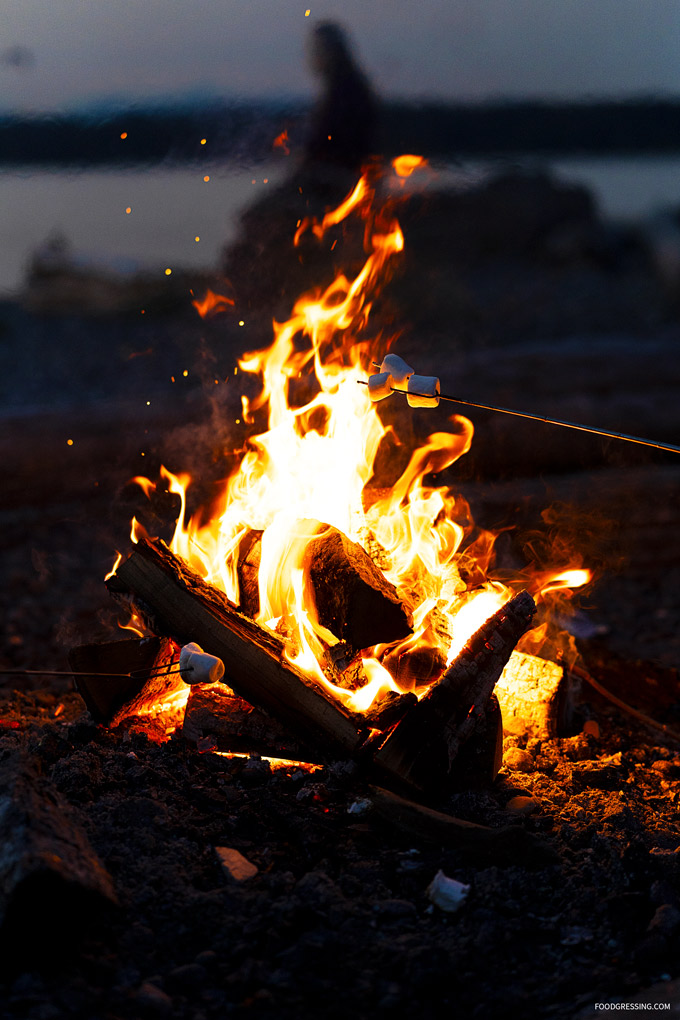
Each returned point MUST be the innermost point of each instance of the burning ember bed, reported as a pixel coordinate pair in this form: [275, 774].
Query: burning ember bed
[355, 750]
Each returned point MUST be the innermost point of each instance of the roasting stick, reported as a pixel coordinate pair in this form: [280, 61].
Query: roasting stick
[136, 674]
[394, 370]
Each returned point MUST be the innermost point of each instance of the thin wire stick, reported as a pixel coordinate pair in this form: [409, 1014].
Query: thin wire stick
[624, 706]
[135, 674]
[548, 421]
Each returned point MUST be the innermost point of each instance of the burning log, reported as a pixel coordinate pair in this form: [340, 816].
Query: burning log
[536, 697]
[183, 606]
[50, 877]
[217, 713]
[353, 599]
[509, 844]
[428, 739]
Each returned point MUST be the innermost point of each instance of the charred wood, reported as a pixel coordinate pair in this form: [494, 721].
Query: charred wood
[214, 711]
[184, 607]
[104, 695]
[426, 742]
[353, 598]
[51, 881]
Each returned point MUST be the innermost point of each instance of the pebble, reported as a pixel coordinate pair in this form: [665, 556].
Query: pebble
[235, 866]
[153, 1000]
[666, 920]
[518, 760]
[522, 805]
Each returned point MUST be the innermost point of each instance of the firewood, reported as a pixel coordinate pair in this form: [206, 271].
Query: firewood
[51, 880]
[509, 844]
[105, 695]
[536, 697]
[427, 740]
[353, 598]
[184, 607]
[214, 711]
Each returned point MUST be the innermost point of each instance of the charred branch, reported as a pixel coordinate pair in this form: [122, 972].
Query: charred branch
[509, 844]
[427, 740]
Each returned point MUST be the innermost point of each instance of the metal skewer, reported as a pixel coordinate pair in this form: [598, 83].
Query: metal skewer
[135, 674]
[547, 421]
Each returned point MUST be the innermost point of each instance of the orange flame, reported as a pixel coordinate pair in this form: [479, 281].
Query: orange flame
[281, 142]
[405, 165]
[310, 468]
[212, 304]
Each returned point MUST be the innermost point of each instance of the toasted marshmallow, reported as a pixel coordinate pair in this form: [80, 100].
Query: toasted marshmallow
[197, 667]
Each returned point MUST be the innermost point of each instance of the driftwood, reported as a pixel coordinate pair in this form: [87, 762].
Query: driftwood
[184, 607]
[509, 844]
[51, 880]
[353, 599]
[536, 697]
[428, 739]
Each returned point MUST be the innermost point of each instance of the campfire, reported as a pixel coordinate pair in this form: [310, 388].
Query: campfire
[345, 618]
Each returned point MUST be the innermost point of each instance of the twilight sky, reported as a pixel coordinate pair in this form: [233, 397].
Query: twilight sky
[57, 53]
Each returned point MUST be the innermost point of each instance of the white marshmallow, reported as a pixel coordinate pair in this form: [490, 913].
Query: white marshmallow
[446, 893]
[397, 368]
[380, 386]
[197, 667]
[423, 391]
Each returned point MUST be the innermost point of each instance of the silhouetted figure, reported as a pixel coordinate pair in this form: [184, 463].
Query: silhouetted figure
[342, 126]
[266, 272]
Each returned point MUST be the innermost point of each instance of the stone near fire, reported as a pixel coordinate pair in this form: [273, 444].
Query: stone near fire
[518, 760]
[235, 866]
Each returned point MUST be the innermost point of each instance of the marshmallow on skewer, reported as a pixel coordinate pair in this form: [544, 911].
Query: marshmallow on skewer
[379, 386]
[397, 368]
[197, 667]
[423, 391]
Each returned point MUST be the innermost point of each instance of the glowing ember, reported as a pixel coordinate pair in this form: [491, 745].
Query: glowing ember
[313, 464]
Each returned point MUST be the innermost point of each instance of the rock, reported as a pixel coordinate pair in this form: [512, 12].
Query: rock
[317, 889]
[187, 979]
[395, 908]
[235, 866]
[666, 920]
[153, 1001]
[522, 805]
[518, 760]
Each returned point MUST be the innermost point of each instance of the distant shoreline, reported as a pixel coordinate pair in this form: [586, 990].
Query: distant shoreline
[247, 131]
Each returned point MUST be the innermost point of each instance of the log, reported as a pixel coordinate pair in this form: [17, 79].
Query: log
[52, 884]
[509, 844]
[105, 695]
[215, 712]
[184, 607]
[427, 740]
[353, 598]
[536, 696]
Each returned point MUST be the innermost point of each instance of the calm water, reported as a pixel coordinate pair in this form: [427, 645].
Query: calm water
[170, 208]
